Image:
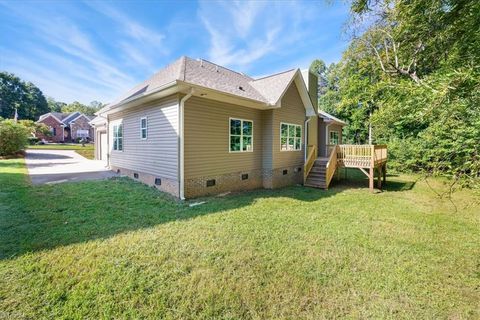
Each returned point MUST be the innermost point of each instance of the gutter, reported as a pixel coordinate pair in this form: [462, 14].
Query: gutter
[181, 113]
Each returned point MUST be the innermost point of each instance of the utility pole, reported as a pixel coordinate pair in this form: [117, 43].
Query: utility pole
[370, 128]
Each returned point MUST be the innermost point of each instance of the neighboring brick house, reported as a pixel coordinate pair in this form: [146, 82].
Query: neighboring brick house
[66, 127]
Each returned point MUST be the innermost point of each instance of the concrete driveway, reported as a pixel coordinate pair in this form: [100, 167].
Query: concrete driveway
[56, 166]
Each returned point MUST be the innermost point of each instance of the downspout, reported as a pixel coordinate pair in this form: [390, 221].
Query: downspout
[181, 109]
[306, 139]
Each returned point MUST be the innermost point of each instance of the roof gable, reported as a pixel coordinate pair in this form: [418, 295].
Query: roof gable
[70, 117]
[329, 117]
[50, 115]
[79, 116]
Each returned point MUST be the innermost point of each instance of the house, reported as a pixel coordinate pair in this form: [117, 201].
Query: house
[67, 127]
[196, 128]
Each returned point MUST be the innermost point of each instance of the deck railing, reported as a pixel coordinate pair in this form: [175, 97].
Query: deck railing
[359, 156]
[331, 167]
[311, 157]
[380, 154]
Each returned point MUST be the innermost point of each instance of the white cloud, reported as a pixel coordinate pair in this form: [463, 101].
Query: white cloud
[141, 44]
[63, 86]
[244, 32]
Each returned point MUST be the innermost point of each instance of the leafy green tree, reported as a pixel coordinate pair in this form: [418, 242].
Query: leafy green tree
[77, 106]
[415, 68]
[35, 128]
[55, 106]
[15, 93]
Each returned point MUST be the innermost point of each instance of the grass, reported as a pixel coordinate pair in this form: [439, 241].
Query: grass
[119, 249]
[86, 151]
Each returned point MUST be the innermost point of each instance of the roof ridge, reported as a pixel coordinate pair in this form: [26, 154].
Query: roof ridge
[223, 67]
[275, 74]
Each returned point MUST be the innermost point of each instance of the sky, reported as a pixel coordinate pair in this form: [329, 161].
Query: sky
[96, 50]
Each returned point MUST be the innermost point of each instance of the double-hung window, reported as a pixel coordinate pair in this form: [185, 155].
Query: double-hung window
[290, 137]
[241, 135]
[118, 137]
[333, 137]
[143, 128]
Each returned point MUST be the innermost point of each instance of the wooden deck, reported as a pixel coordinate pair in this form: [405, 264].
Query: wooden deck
[370, 159]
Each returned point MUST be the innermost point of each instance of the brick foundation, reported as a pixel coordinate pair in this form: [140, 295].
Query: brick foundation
[257, 179]
[167, 185]
[293, 176]
[197, 187]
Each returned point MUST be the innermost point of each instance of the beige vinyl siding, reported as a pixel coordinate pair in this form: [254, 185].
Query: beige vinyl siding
[292, 111]
[156, 155]
[267, 129]
[322, 142]
[338, 128]
[313, 131]
[206, 132]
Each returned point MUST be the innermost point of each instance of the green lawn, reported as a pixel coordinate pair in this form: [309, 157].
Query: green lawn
[119, 249]
[87, 151]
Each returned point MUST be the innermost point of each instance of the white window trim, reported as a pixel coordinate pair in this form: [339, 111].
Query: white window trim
[280, 136]
[330, 136]
[146, 128]
[241, 135]
[117, 123]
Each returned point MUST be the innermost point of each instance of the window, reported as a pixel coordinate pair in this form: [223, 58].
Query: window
[241, 135]
[53, 131]
[82, 133]
[290, 137]
[143, 128]
[333, 137]
[118, 137]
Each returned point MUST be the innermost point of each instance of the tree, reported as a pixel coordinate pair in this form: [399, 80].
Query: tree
[35, 128]
[77, 106]
[14, 92]
[55, 106]
[415, 67]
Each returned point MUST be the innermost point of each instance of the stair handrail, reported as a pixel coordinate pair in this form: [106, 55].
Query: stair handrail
[331, 166]
[312, 155]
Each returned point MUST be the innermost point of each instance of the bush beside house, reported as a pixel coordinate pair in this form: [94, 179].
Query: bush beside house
[15, 136]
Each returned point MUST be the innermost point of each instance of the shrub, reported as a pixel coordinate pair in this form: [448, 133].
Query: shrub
[32, 140]
[13, 137]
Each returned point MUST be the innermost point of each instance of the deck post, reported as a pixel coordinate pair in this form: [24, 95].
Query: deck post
[372, 167]
[379, 177]
[384, 173]
[371, 176]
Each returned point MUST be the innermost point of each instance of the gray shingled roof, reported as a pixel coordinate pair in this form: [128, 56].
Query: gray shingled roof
[272, 86]
[70, 117]
[212, 76]
[65, 117]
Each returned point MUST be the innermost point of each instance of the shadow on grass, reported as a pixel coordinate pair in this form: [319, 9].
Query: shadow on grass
[35, 218]
[349, 178]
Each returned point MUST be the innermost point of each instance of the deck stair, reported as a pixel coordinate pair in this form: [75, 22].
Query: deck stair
[370, 159]
[317, 177]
